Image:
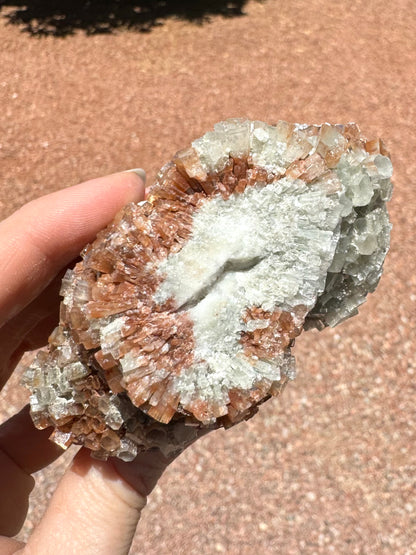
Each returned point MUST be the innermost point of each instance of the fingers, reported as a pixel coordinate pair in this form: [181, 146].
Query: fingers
[47, 233]
[92, 511]
[15, 487]
[25, 445]
[96, 506]
[23, 450]
[30, 329]
[8, 546]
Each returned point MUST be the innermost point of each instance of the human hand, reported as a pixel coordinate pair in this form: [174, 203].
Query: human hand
[97, 505]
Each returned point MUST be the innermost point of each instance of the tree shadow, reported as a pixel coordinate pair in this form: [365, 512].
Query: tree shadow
[64, 17]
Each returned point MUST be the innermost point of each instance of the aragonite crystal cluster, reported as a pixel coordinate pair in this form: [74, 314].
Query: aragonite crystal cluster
[183, 311]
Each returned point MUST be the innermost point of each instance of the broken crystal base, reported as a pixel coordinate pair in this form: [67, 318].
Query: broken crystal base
[185, 308]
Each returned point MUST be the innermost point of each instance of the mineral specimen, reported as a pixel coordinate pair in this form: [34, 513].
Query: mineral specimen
[184, 310]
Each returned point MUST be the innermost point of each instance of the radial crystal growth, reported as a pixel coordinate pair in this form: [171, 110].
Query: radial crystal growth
[183, 311]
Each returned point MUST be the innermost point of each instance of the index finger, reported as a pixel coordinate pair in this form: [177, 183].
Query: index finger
[47, 233]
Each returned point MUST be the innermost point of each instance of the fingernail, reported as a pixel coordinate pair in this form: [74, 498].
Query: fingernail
[138, 171]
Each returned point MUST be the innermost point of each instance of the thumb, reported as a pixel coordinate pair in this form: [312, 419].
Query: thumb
[93, 511]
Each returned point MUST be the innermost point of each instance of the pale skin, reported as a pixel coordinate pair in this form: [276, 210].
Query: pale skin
[36, 244]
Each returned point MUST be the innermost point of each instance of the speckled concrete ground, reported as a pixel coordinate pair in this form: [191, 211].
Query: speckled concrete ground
[331, 466]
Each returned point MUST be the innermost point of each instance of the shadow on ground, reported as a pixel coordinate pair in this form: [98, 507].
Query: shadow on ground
[64, 17]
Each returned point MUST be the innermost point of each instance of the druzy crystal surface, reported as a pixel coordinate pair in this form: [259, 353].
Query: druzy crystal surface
[184, 309]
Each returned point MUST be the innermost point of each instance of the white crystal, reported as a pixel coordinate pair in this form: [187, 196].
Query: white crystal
[75, 371]
[257, 257]
[283, 244]
[257, 324]
[384, 166]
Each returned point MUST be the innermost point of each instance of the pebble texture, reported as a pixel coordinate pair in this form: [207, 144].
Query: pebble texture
[330, 466]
